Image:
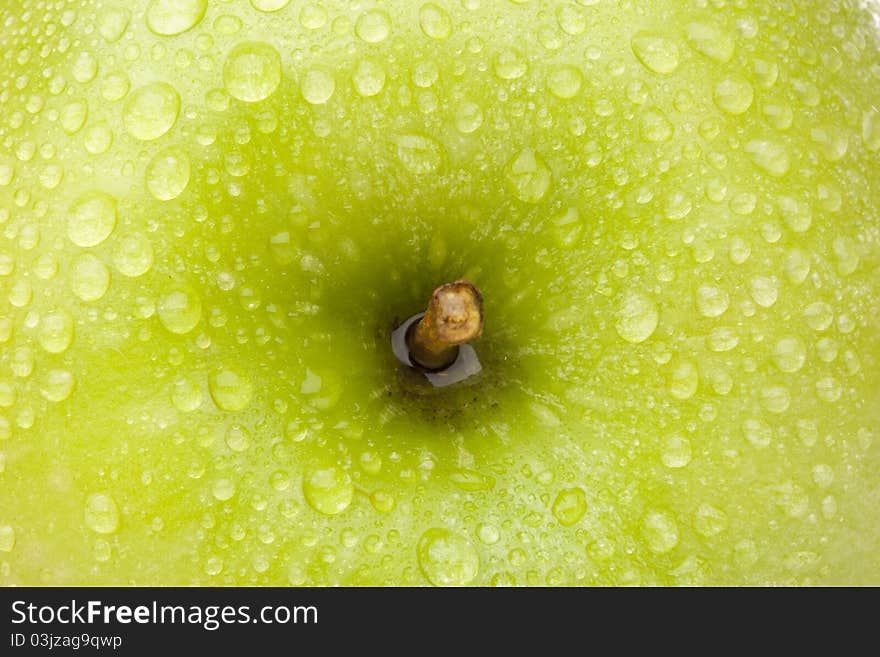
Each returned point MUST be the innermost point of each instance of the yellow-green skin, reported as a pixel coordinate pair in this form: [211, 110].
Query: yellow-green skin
[212, 215]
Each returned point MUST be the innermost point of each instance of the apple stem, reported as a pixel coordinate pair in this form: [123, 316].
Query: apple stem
[454, 317]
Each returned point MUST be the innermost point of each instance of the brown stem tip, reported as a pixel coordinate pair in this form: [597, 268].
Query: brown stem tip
[454, 316]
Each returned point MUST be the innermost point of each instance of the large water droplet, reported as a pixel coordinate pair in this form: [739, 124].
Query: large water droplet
[328, 490]
[167, 174]
[179, 310]
[769, 156]
[676, 451]
[446, 558]
[317, 86]
[565, 81]
[510, 64]
[434, 21]
[764, 290]
[656, 53]
[133, 255]
[56, 331]
[655, 126]
[269, 6]
[757, 432]
[57, 385]
[733, 95]
[7, 538]
[91, 219]
[186, 396]
[252, 71]
[418, 154]
[684, 380]
[789, 354]
[101, 513]
[709, 520]
[170, 17]
[528, 176]
[819, 315]
[73, 116]
[710, 41]
[238, 438]
[368, 78]
[151, 111]
[89, 277]
[871, 129]
[637, 317]
[373, 26]
[660, 531]
[230, 389]
[468, 117]
[712, 301]
[113, 23]
[569, 506]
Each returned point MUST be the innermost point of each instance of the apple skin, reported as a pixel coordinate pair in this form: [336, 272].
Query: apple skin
[212, 215]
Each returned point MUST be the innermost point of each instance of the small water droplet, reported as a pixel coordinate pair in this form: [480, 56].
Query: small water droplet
[829, 389]
[712, 301]
[172, 17]
[769, 156]
[317, 86]
[655, 126]
[722, 338]
[73, 116]
[179, 310]
[789, 354]
[113, 23]
[328, 490]
[57, 385]
[446, 558]
[764, 290]
[7, 538]
[832, 141]
[819, 315]
[637, 317]
[167, 174]
[757, 432]
[572, 20]
[373, 26]
[528, 176]
[223, 489]
[101, 513]
[238, 438]
[468, 117]
[660, 531]
[684, 380]
[434, 21]
[656, 53]
[775, 398]
[85, 67]
[510, 64]
[98, 138]
[252, 71]
[676, 451]
[230, 389]
[91, 219]
[151, 111]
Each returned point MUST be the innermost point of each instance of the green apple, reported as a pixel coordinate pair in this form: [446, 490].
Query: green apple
[214, 214]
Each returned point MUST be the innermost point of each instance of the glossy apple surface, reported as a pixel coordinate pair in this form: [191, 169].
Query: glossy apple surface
[212, 215]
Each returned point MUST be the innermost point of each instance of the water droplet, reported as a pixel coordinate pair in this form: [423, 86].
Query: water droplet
[712, 301]
[676, 451]
[764, 290]
[113, 23]
[819, 315]
[133, 255]
[230, 390]
[569, 506]
[832, 141]
[223, 489]
[656, 53]
[655, 126]
[757, 432]
[73, 116]
[796, 214]
[528, 176]
[418, 154]
[847, 255]
[317, 86]
[434, 21]
[660, 531]
[722, 338]
[468, 117]
[167, 174]
[733, 95]
[151, 111]
[775, 398]
[89, 277]
[7, 538]
[313, 17]
[56, 331]
[179, 310]
[85, 67]
[57, 385]
[789, 354]
[677, 205]
[710, 41]
[828, 389]
[709, 520]
[186, 396]
[328, 490]
[101, 513]
[91, 219]
[510, 64]
[572, 20]
[171, 17]
[637, 317]
[565, 81]
[797, 266]
[269, 6]
[373, 26]
[252, 71]
[871, 129]
[446, 558]
[98, 138]
[823, 475]
[684, 380]
[769, 156]
[368, 78]
[238, 438]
